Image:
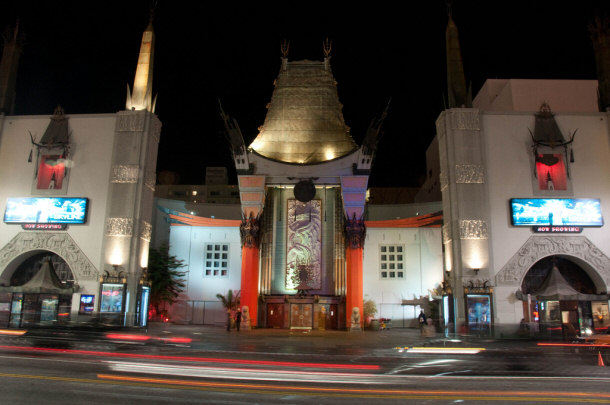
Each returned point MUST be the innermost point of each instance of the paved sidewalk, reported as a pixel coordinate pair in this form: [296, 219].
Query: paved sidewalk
[216, 338]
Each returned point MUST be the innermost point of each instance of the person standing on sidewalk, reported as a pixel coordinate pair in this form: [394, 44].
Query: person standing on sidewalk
[238, 319]
[422, 321]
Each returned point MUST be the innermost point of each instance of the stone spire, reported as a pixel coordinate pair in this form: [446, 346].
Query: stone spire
[600, 35]
[8, 69]
[304, 122]
[141, 97]
[457, 93]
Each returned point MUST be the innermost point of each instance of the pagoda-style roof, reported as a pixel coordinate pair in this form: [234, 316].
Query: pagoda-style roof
[304, 122]
[57, 133]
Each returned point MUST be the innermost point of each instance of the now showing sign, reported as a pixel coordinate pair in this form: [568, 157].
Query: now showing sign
[557, 229]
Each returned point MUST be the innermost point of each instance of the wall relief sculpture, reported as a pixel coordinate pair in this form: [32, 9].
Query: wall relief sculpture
[539, 247]
[61, 244]
[125, 173]
[119, 227]
[473, 229]
[469, 174]
[466, 120]
[130, 121]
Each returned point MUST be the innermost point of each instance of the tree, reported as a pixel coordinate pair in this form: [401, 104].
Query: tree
[166, 279]
[231, 301]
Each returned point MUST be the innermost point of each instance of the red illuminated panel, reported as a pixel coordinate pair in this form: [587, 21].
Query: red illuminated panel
[50, 173]
[552, 177]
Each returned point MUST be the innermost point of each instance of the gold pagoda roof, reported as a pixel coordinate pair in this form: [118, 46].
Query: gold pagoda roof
[304, 122]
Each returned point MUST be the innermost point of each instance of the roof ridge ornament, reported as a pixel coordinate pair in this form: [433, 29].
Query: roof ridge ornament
[327, 46]
[284, 48]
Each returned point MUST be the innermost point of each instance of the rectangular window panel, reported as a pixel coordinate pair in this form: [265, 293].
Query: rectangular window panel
[391, 261]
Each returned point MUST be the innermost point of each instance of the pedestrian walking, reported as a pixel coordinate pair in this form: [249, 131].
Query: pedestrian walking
[422, 321]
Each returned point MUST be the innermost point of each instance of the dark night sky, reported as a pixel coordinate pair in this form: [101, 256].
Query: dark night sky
[81, 54]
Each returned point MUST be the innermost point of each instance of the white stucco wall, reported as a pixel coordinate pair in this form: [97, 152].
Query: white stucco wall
[188, 244]
[423, 270]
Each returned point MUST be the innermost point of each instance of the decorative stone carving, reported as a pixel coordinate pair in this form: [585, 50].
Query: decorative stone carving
[355, 230]
[125, 173]
[250, 231]
[145, 230]
[119, 227]
[465, 120]
[128, 121]
[150, 180]
[59, 243]
[446, 229]
[469, 174]
[539, 247]
[477, 286]
[444, 180]
[473, 229]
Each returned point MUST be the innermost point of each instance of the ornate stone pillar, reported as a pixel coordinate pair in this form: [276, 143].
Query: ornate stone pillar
[250, 238]
[355, 232]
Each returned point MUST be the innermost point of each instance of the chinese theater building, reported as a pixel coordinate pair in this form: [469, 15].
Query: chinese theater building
[525, 183]
[298, 254]
[77, 197]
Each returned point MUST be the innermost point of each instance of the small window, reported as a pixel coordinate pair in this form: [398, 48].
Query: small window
[217, 260]
[391, 261]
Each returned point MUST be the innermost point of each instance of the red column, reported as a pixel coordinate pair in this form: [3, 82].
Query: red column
[249, 282]
[353, 296]
[355, 231]
[249, 229]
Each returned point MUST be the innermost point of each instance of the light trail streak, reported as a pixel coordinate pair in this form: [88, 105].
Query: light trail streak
[574, 345]
[12, 332]
[340, 392]
[539, 396]
[445, 350]
[249, 373]
[340, 366]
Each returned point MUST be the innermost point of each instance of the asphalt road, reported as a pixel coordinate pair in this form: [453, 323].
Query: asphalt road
[250, 369]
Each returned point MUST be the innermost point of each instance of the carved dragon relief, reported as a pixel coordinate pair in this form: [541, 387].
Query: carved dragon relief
[539, 247]
[61, 244]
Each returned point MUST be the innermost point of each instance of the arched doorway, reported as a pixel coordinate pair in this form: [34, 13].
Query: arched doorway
[40, 291]
[560, 299]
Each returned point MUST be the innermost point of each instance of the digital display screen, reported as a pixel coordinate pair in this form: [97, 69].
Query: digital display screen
[87, 302]
[556, 211]
[46, 210]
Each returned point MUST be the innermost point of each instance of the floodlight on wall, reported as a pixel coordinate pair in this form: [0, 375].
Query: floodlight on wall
[476, 271]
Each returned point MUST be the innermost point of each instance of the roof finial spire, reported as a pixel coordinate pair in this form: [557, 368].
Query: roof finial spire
[284, 47]
[328, 46]
[458, 93]
[153, 8]
[141, 97]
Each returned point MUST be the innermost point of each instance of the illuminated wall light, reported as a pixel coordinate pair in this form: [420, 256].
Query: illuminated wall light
[144, 254]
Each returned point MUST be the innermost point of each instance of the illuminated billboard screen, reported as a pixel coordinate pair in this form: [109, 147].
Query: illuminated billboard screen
[556, 211]
[46, 210]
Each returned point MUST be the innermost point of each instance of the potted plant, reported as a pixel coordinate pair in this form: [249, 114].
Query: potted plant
[370, 310]
[231, 304]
